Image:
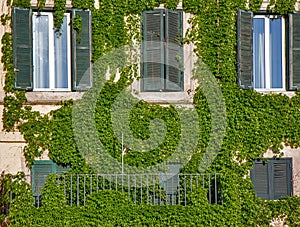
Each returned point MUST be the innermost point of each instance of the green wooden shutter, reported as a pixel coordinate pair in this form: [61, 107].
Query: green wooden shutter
[81, 47]
[282, 177]
[22, 47]
[294, 52]
[245, 49]
[153, 50]
[260, 177]
[174, 51]
[39, 173]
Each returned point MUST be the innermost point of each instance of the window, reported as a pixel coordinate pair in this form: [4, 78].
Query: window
[272, 178]
[268, 51]
[39, 173]
[46, 59]
[162, 68]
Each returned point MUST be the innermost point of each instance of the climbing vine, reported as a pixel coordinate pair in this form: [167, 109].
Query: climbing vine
[255, 122]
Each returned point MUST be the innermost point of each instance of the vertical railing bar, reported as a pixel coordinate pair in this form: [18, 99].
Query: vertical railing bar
[103, 182]
[77, 186]
[197, 180]
[65, 191]
[71, 189]
[116, 182]
[110, 177]
[84, 190]
[178, 188]
[185, 190]
[209, 188]
[91, 184]
[128, 185]
[147, 188]
[135, 188]
[141, 179]
[203, 180]
[97, 182]
[216, 190]
[191, 182]
[154, 189]
[159, 189]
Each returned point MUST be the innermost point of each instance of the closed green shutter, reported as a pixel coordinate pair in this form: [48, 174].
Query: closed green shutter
[40, 171]
[272, 179]
[294, 51]
[245, 49]
[282, 177]
[260, 178]
[174, 51]
[81, 56]
[153, 51]
[22, 47]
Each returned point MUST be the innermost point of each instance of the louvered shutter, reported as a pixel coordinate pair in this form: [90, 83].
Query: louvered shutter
[260, 177]
[40, 171]
[174, 51]
[294, 51]
[22, 47]
[245, 49]
[282, 182]
[153, 51]
[81, 56]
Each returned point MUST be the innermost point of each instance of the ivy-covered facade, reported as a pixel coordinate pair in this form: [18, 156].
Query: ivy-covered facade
[248, 48]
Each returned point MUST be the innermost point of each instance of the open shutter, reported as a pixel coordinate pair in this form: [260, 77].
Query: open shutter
[81, 56]
[22, 47]
[40, 171]
[174, 51]
[260, 174]
[282, 177]
[294, 51]
[153, 50]
[245, 49]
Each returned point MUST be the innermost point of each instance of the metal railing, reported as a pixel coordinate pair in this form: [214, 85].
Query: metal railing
[141, 189]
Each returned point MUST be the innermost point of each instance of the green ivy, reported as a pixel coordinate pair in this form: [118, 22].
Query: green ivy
[255, 123]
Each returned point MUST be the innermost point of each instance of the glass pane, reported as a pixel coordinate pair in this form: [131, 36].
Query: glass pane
[276, 53]
[259, 52]
[41, 51]
[61, 56]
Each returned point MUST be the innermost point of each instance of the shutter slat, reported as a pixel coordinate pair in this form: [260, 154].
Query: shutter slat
[245, 49]
[153, 54]
[22, 47]
[174, 51]
[294, 54]
[81, 58]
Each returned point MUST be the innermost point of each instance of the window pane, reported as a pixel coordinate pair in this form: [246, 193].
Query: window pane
[259, 52]
[276, 53]
[41, 51]
[61, 56]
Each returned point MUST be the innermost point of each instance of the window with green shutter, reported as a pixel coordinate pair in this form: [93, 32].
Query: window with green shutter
[49, 60]
[272, 178]
[268, 51]
[40, 170]
[162, 52]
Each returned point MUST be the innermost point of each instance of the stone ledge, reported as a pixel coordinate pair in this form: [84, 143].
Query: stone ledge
[11, 137]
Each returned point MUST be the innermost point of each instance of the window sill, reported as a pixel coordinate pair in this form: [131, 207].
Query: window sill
[51, 97]
[165, 97]
[290, 94]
